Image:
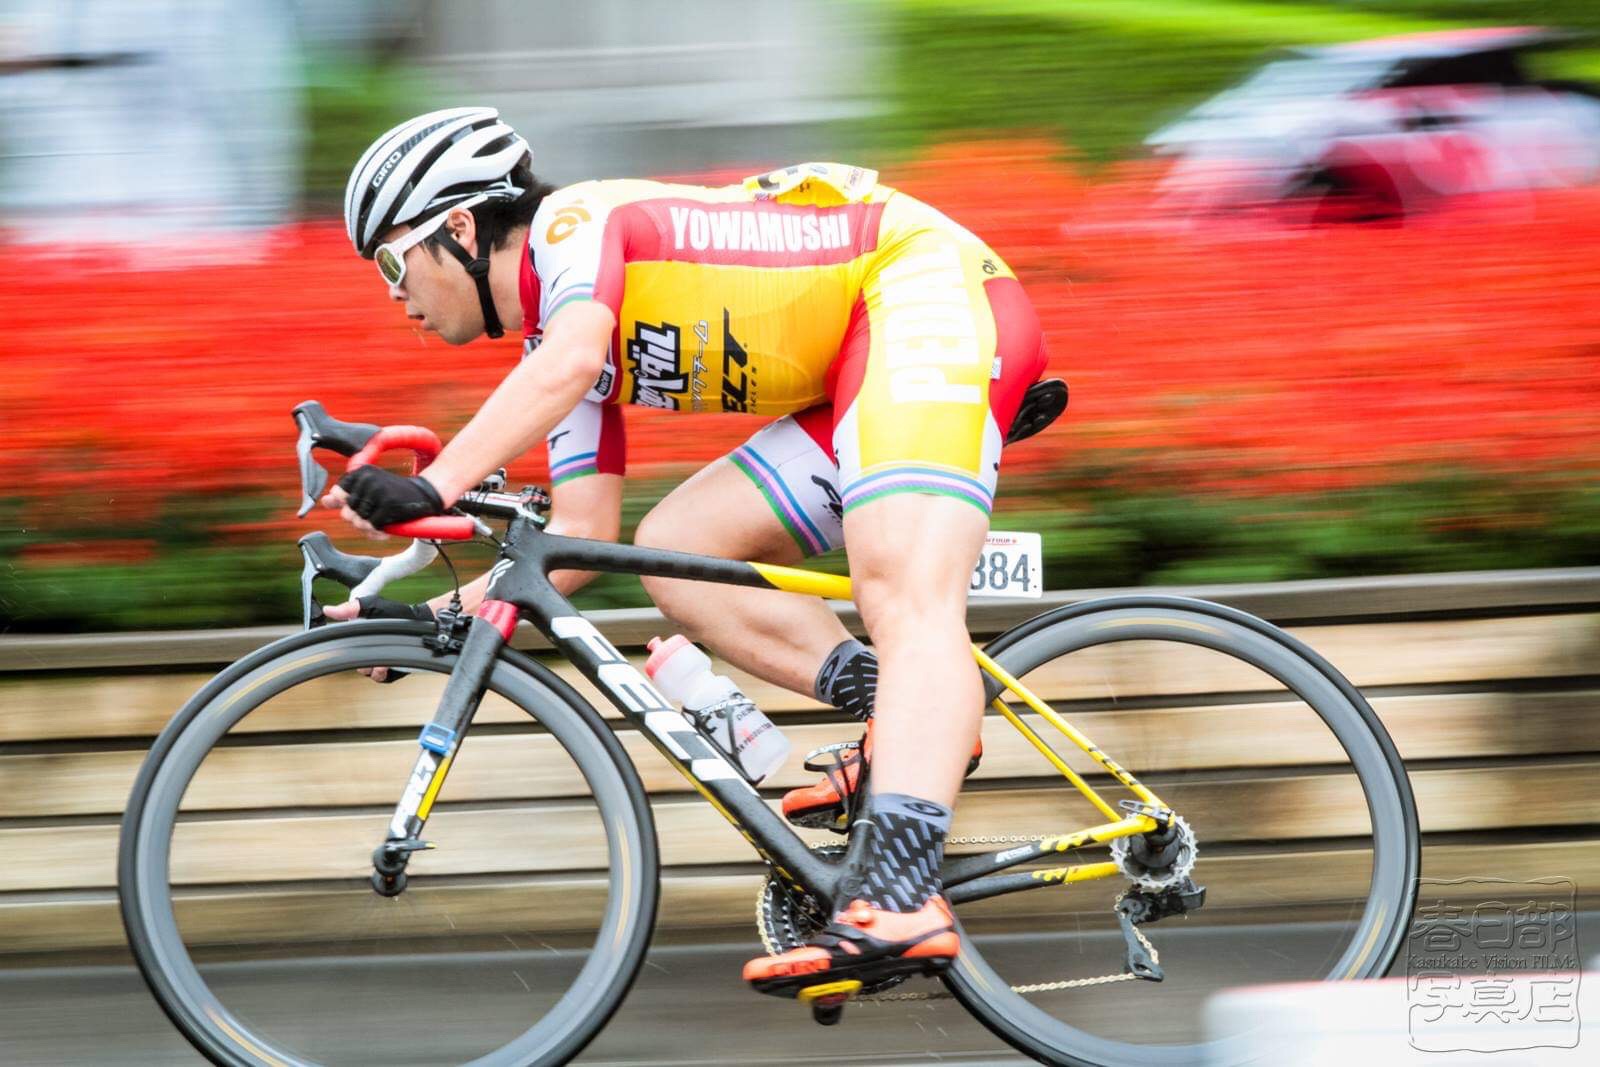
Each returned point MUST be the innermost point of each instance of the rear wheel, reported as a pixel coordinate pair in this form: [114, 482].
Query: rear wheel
[1306, 832]
[245, 870]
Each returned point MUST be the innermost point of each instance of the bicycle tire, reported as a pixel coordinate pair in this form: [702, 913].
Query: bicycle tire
[1397, 850]
[145, 894]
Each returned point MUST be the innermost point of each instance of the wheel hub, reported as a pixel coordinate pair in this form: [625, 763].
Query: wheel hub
[1159, 860]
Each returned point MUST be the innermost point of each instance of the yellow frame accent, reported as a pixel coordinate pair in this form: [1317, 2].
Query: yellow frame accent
[424, 808]
[837, 587]
[1083, 872]
[811, 583]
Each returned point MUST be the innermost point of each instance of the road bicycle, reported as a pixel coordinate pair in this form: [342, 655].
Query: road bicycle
[1315, 797]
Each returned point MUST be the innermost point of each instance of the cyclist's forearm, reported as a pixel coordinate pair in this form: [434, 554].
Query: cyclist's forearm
[525, 407]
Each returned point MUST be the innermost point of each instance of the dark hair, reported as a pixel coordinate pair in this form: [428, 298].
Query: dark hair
[502, 216]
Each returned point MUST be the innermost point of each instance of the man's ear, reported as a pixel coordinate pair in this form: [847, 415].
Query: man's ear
[464, 228]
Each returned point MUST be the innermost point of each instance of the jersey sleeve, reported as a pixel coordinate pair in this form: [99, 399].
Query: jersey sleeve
[566, 253]
[567, 240]
[590, 440]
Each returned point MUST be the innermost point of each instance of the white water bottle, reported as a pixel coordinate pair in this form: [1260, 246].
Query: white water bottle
[714, 704]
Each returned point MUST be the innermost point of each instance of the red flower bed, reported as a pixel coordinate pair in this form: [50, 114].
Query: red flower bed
[1254, 357]
[1244, 358]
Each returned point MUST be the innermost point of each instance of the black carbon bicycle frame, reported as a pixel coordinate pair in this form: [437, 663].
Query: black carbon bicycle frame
[521, 578]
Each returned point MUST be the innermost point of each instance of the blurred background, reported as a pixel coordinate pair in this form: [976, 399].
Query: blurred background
[1324, 310]
[1324, 277]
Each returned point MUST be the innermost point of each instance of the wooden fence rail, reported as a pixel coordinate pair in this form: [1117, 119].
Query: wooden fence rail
[1488, 682]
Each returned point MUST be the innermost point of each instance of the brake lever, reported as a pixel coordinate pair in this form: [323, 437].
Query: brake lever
[313, 479]
[323, 560]
[318, 429]
[362, 575]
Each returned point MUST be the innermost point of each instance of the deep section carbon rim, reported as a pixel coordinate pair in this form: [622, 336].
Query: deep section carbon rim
[248, 914]
[1287, 779]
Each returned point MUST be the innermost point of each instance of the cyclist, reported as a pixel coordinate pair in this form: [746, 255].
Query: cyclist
[893, 345]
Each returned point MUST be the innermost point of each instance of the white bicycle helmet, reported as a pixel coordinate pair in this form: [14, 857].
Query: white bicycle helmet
[425, 164]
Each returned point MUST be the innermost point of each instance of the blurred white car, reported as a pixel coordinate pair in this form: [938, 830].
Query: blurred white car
[1385, 127]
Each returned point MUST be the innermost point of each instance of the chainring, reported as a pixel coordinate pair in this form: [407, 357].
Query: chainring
[787, 919]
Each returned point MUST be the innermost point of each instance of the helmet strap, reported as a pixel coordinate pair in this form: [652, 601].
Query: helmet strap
[479, 270]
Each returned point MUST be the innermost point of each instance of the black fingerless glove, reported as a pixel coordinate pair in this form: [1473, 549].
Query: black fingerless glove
[377, 607]
[384, 498]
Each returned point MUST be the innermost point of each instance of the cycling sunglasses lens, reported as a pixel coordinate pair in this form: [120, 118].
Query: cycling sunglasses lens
[391, 266]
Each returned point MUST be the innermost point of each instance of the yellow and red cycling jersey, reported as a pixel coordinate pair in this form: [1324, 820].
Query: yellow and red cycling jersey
[794, 289]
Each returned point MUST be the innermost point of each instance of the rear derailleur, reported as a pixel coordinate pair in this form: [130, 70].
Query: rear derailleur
[1137, 907]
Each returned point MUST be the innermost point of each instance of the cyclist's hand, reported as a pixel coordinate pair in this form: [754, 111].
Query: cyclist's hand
[370, 498]
[377, 607]
[335, 498]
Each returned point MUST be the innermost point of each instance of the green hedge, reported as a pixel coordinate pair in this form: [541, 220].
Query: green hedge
[347, 104]
[1100, 529]
[1097, 74]
[1100, 75]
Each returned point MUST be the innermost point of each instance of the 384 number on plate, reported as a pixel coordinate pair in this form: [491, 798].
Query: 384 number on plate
[1010, 565]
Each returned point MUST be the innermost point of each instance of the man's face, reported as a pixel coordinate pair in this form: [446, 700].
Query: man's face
[438, 294]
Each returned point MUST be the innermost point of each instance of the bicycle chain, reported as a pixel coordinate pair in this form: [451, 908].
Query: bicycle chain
[999, 839]
[1037, 987]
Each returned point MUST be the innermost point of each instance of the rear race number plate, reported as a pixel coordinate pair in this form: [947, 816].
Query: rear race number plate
[1010, 565]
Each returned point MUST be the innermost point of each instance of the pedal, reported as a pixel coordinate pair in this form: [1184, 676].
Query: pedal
[838, 824]
[828, 999]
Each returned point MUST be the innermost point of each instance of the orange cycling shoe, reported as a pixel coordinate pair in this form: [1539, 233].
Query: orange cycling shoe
[862, 946]
[830, 803]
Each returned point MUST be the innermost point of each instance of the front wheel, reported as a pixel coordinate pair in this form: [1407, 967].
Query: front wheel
[1305, 828]
[245, 864]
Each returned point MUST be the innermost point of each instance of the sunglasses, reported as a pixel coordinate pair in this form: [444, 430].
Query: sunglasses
[391, 256]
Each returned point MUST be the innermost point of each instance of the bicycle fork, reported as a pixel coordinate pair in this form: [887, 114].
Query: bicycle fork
[441, 738]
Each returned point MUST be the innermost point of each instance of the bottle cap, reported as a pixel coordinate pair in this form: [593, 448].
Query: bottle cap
[661, 651]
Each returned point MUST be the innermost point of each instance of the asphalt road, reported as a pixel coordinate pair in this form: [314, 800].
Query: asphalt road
[688, 1006]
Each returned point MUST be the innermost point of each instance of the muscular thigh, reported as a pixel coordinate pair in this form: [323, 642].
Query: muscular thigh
[726, 509]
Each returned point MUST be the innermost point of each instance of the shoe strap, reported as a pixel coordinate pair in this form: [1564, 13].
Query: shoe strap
[814, 760]
[833, 936]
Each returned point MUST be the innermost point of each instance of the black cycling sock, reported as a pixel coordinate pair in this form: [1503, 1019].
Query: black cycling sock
[904, 851]
[849, 679]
